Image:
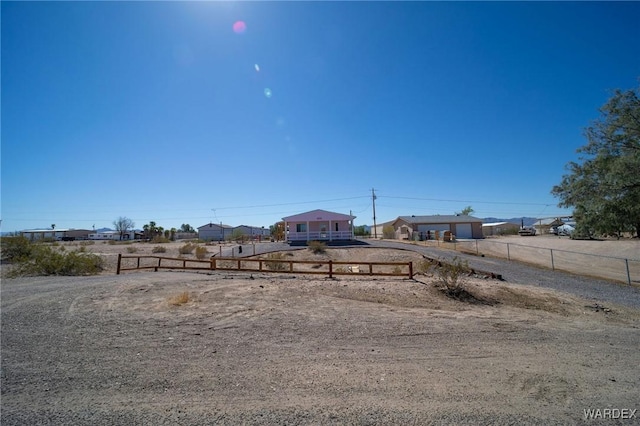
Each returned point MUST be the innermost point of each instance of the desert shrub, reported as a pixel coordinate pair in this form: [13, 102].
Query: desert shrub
[159, 249]
[388, 232]
[317, 247]
[187, 248]
[15, 248]
[273, 264]
[179, 299]
[423, 266]
[132, 249]
[159, 239]
[201, 252]
[44, 260]
[450, 276]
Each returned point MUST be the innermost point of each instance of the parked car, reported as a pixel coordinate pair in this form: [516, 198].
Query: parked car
[566, 230]
[527, 231]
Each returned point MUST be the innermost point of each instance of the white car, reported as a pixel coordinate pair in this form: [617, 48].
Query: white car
[566, 230]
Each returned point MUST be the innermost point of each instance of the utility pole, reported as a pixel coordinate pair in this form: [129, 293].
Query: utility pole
[373, 198]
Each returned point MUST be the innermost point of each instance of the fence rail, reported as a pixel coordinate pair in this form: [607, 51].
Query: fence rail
[330, 268]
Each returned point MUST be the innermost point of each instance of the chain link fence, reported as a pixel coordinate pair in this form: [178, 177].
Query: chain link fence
[621, 269]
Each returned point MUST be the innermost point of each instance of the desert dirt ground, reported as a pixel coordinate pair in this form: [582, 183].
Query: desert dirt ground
[230, 348]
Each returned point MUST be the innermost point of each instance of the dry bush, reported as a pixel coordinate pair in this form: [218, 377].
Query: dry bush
[201, 252]
[273, 264]
[179, 299]
[158, 239]
[317, 247]
[423, 266]
[450, 277]
[187, 248]
[44, 260]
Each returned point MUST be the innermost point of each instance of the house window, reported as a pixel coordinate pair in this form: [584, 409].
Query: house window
[336, 226]
[301, 227]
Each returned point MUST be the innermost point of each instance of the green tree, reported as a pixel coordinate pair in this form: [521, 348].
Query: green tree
[604, 186]
[360, 231]
[466, 211]
[388, 232]
[187, 228]
[152, 230]
[277, 231]
[123, 225]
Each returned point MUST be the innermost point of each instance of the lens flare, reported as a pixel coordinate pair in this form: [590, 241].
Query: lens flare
[239, 27]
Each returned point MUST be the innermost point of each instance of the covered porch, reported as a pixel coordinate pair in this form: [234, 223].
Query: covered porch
[318, 225]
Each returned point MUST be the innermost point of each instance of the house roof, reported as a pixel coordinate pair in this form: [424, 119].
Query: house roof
[317, 215]
[439, 219]
[214, 225]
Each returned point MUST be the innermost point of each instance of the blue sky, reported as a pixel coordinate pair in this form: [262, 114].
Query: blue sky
[166, 112]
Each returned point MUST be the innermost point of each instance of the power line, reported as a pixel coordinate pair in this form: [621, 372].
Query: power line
[465, 201]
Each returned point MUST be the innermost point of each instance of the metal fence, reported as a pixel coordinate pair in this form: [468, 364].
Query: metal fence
[595, 265]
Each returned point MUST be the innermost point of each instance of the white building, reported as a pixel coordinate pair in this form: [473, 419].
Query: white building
[112, 235]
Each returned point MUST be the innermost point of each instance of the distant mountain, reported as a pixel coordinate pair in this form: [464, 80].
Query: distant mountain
[528, 221]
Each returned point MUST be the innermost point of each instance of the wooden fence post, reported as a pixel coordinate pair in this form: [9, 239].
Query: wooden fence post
[119, 261]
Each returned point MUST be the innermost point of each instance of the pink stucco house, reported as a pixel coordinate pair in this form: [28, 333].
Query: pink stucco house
[318, 225]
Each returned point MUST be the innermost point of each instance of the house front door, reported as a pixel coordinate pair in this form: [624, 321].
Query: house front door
[324, 228]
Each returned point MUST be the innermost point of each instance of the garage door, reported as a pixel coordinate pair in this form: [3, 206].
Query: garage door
[463, 230]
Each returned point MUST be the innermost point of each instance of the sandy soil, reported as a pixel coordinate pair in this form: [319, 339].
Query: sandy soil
[229, 348]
